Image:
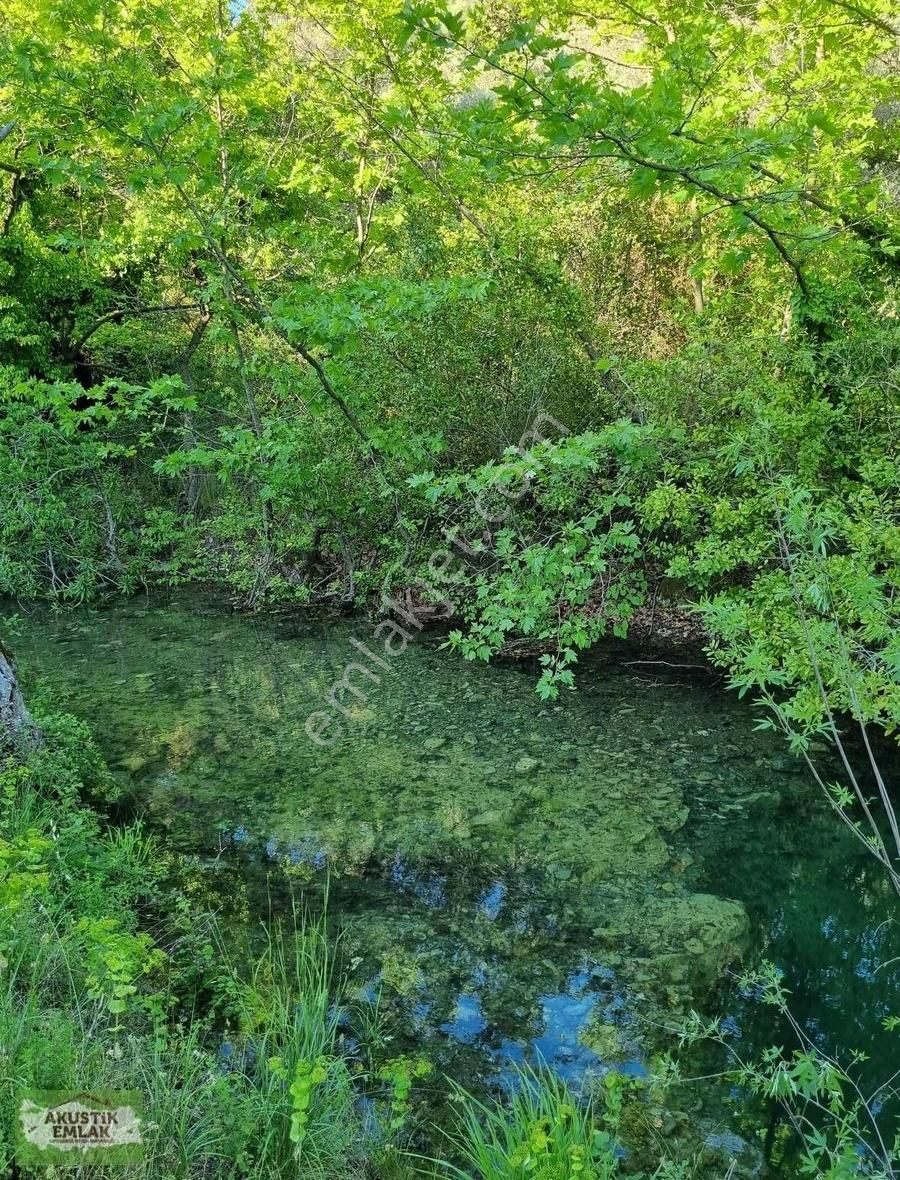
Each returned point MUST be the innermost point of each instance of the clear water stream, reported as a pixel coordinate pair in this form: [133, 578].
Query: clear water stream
[521, 881]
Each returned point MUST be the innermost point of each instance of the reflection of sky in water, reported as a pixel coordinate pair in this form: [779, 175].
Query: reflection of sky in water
[426, 886]
[304, 852]
[564, 1017]
[492, 902]
[468, 1021]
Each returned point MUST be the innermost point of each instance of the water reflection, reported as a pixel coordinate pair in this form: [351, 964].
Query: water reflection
[520, 881]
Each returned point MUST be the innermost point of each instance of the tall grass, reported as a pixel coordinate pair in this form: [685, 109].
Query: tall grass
[84, 1004]
[206, 1113]
[288, 1062]
[542, 1133]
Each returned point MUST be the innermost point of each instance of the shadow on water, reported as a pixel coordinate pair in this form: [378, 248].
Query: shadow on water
[518, 880]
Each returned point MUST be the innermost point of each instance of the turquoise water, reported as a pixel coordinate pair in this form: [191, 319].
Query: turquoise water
[519, 881]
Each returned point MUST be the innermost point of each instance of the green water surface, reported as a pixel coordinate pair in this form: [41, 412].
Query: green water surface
[520, 880]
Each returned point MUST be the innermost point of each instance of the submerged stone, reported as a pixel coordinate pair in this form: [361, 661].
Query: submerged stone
[526, 765]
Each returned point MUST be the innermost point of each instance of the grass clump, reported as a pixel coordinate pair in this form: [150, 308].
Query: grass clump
[542, 1133]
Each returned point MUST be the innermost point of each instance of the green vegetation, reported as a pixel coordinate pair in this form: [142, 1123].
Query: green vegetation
[569, 316]
[281, 287]
[543, 1133]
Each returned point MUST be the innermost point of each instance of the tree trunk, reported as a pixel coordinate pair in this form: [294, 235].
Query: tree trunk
[15, 720]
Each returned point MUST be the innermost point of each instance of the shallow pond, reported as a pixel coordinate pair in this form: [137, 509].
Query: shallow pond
[522, 880]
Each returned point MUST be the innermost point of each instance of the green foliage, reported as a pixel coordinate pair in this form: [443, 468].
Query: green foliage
[74, 523]
[277, 305]
[114, 961]
[23, 872]
[754, 126]
[285, 295]
[543, 1132]
[768, 504]
[838, 1124]
[84, 1000]
[553, 554]
[401, 1073]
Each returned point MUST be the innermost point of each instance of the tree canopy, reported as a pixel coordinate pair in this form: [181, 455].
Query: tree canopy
[283, 284]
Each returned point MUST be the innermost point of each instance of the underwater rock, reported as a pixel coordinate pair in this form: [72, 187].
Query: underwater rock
[724, 1151]
[680, 944]
[486, 819]
[711, 930]
[676, 819]
[788, 764]
[607, 1041]
[715, 1150]
[133, 762]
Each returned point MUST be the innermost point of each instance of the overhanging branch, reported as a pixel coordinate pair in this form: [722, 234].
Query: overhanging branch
[120, 313]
